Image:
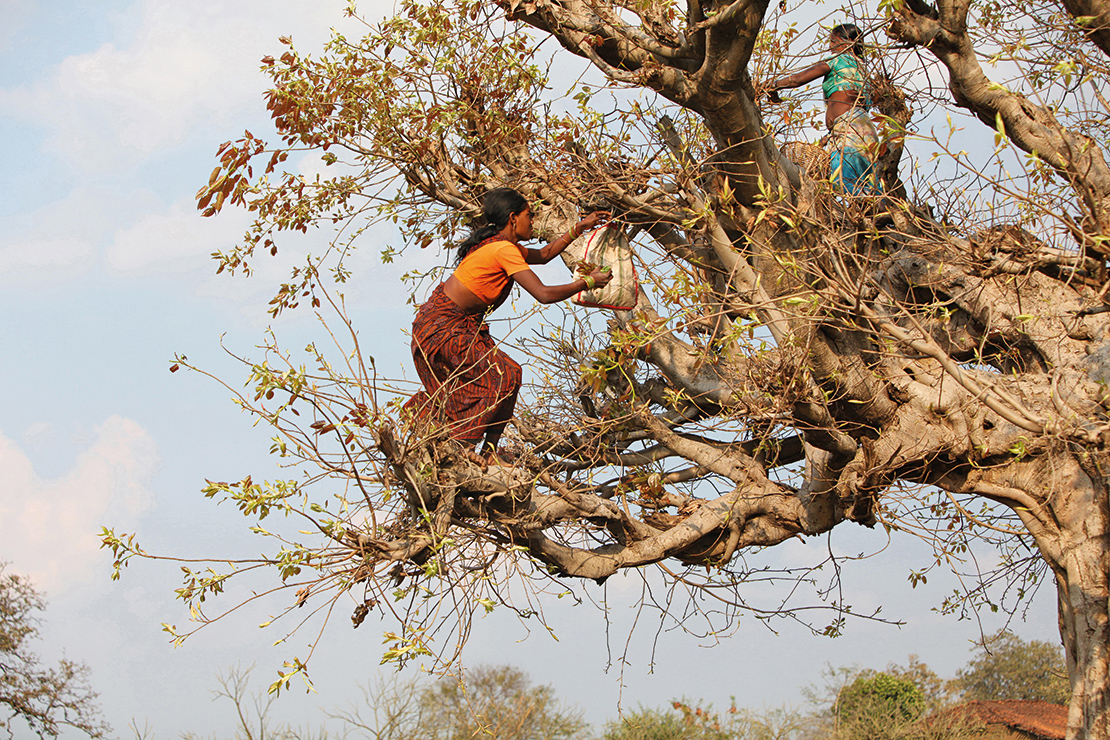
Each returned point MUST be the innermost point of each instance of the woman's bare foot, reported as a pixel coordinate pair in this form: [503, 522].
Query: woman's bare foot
[481, 461]
[500, 459]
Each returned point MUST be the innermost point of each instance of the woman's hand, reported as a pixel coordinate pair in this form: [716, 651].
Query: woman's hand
[601, 277]
[592, 221]
[555, 248]
[773, 95]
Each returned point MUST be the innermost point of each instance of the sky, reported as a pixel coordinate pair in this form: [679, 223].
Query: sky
[110, 115]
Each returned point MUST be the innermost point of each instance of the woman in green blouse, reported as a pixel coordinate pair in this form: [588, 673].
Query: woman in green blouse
[853, 142]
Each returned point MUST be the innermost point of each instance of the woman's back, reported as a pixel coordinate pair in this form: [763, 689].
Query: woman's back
[846, 74]
[485, 272]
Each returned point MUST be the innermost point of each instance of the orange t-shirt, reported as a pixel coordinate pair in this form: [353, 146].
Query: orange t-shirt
[486, 271]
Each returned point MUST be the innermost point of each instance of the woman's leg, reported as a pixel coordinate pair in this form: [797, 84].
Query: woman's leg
[853, 172]
[510, 378]
[480, 388]
[471, 386]
[853, 141]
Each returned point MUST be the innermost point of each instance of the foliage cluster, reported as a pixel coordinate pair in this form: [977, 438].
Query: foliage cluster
[686, 721]
[45, 699]
[910, 701]
[502, 703]
[1011, 668]
[497, 702]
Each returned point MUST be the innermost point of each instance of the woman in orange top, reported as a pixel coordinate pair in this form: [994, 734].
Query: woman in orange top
[469, 384]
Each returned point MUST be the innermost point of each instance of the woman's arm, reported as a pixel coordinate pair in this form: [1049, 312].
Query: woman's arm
[555, 248]
[797, 79]
[555, 293]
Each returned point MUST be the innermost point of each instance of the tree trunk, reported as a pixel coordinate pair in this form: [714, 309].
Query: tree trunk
[1081, 566]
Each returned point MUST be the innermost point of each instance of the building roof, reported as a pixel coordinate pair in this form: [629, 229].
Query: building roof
[1035, 717]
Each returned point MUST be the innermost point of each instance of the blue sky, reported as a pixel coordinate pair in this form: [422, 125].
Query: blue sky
[110, 114]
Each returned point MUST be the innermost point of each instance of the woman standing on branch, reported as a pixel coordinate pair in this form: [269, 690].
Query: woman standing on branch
[469, 383]
[853, 140]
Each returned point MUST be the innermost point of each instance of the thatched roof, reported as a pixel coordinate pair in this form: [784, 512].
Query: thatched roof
[1037, 718]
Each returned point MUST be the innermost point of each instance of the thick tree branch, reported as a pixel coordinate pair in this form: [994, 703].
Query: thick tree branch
[1033, 128]
[1093, 16]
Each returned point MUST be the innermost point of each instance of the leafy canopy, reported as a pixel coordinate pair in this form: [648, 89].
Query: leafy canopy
[45, 699]
[1007, 667]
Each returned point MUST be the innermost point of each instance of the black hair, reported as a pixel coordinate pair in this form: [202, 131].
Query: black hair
[498, 206]
[850, 32]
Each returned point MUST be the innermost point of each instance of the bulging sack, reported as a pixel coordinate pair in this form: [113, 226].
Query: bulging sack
[609, 247]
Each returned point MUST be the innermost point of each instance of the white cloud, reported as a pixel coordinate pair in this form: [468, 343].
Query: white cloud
[65, 237]
[58, 239]
[40, 257]
[188, 64]
[50, 525]
[174, 240]
[38, 432]
[16, 14]
[127, 110]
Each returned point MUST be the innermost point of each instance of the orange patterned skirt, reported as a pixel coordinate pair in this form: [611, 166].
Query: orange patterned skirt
[470, 386]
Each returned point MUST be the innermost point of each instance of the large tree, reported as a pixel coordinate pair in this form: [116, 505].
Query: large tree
[1007, 667]
[498, 702]
[682, 721]
[46, 699]
[798, 360]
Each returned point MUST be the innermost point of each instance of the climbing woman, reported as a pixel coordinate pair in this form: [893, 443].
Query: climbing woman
[469, 384]
[853, 141]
